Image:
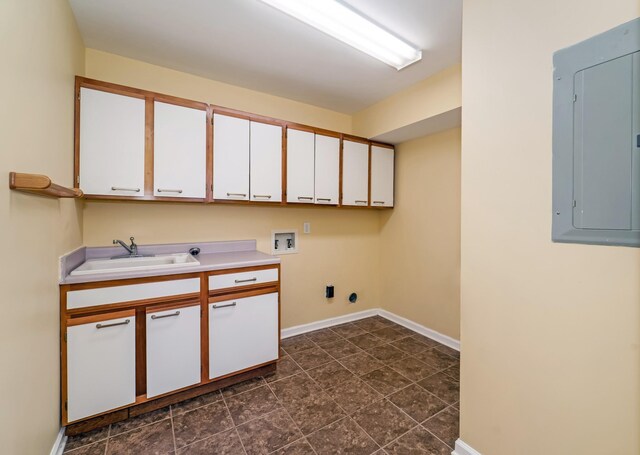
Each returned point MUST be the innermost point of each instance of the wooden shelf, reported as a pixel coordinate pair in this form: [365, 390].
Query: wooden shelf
[41, 185]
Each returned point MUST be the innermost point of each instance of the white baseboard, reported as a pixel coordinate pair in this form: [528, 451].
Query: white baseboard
[323, 324]
[60, 442]
[422, 330]
[462, 448]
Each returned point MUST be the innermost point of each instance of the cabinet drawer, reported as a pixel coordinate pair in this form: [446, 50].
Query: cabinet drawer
[243, 333]
[173, 349]
[101, 364]
[233, 280]
[130, 292]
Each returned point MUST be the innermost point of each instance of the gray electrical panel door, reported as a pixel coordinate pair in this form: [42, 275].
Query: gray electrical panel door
[596, 140]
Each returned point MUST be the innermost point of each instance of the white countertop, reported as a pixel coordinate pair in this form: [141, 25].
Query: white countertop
[213, 256]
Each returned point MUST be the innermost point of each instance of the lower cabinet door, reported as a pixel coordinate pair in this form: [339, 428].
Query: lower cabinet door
[101, 364]
[173, 349]
[242, 333]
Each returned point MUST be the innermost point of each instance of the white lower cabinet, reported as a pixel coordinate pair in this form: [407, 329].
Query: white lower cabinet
[101, 365]
[242, 333]
[173, 349]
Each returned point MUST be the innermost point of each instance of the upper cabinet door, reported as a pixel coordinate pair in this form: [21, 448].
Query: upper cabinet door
[382, 176]
[112, 143]
[179, 151]
[355, 173]
[327, 169]
[266, 162]
[300, 166]
[230, 158]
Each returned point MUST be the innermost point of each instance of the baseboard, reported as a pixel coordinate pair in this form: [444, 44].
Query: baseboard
[422, 330]
[323, 324]
[462, 448]
[60, 442]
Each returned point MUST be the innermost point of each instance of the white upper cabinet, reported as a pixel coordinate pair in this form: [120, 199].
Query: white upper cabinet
[179, 151]
[382, 159]
[327, 169]
[230, 158]
[355, 173]
[112, 143]
[300, 166]
[266, 162]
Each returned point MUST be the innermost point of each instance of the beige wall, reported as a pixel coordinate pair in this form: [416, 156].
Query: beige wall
[121, 70]
[433, 96]
[41, 52]
[550, 332]
[342, 249]
[420, 237]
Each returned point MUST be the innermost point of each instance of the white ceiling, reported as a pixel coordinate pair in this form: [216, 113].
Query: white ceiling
[247, 43]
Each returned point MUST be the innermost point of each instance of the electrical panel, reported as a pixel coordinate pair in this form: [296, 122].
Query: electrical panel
[596, 139]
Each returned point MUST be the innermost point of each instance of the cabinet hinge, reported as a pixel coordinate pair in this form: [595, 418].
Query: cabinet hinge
[78, 179]
[66, 407]
[575, 203]
[575, 97]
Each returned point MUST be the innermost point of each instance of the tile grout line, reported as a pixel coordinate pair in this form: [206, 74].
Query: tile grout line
[173, 430]
[294, 422]
[233, 423]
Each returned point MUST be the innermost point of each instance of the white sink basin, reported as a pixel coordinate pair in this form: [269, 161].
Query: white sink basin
[162, 261]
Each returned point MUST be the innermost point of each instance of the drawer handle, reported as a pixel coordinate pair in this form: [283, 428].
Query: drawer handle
[247, 281]
[305, 198]
[215, 307]
[236, 194]
[262, 196]
[155, 316]
[361, 202]
[326, 199]
[161, 190]
[119, 188]
[378, 202]
[104, 326]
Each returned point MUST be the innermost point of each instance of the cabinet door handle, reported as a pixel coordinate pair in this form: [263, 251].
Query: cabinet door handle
[305, 198]
[215, 307]
[236, 194]
[119, 188]
[247, 281]
[361, 202]
[263, 196]
[378, 202]
[161, 190]
[155, 316]
[104, 326]
[326, 199]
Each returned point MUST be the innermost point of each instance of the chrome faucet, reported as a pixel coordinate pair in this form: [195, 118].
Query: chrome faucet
[131, 249]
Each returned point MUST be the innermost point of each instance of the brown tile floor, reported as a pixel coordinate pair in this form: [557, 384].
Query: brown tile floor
[365, 387]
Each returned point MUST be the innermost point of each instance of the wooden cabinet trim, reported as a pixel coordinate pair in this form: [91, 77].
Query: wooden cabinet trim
[128, 281]
[241, 294]
[100, 317]
[172, 300]
[243, 269]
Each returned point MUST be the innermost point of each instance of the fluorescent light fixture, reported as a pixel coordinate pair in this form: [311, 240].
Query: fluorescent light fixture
[339, 21]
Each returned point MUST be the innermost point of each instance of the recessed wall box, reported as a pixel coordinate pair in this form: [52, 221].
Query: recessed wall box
[284, 242]
[596, 139]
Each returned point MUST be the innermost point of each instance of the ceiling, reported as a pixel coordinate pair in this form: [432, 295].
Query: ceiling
[250, 44]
